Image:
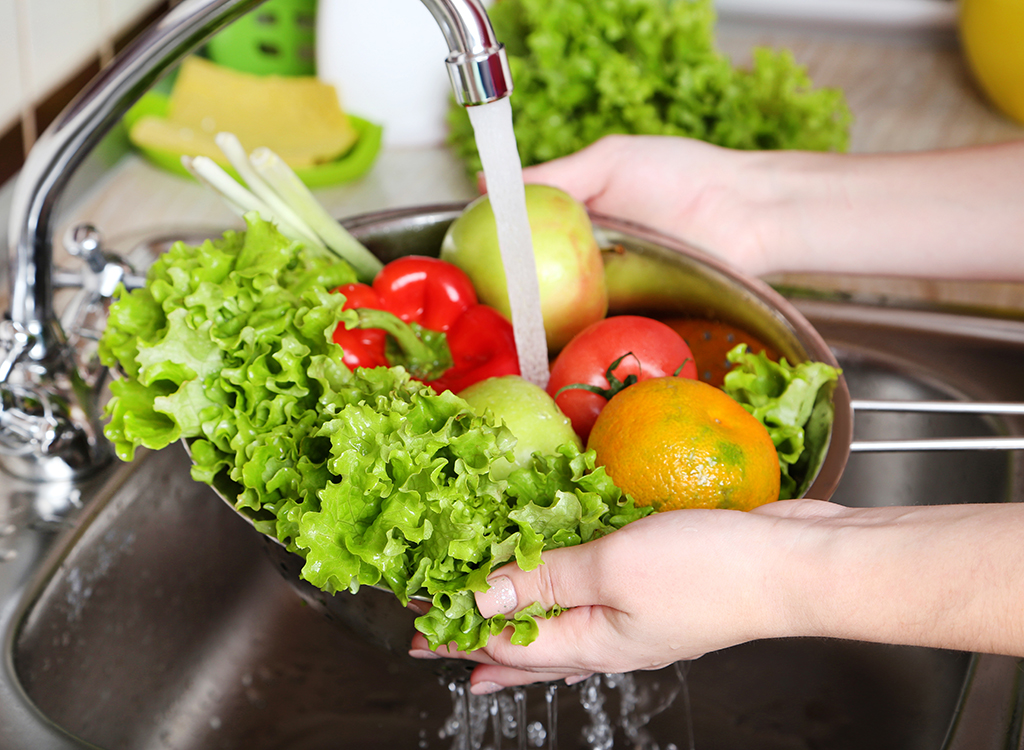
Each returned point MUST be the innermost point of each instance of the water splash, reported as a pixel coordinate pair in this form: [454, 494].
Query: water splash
[496, 142]
[683, 670]
[599, 734]
[551, 700]
[515, 720]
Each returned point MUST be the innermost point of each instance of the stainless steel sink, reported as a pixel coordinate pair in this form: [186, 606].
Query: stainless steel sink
[142, 612]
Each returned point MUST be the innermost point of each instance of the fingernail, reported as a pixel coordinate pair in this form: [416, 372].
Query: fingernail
[418, 653]
[499, 599]
[485, 688]
[574, 679]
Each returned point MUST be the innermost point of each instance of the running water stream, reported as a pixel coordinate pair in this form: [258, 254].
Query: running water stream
[505, 720]
[496, 142]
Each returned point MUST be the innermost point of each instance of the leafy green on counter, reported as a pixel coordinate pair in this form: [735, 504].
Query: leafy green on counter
[583, 70]
[371, 476]
[794, 402]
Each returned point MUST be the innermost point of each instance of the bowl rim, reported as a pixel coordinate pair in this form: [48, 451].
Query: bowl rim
[837, 454]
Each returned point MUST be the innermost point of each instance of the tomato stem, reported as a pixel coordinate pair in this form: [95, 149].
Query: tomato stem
[679, 369]
[614, 384]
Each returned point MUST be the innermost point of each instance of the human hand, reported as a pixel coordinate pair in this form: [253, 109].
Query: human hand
[669, 587]
[912, 214]
[682, 187]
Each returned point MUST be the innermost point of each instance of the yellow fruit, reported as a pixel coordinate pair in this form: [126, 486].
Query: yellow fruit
[676, 443]
[992, 33]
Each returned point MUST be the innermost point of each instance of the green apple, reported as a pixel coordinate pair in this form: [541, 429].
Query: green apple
[570, 270]
[528, 411]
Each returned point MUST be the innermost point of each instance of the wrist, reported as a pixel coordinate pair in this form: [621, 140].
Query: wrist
[935, 576]
[754, 205]
[801, 564]
[835, 572]
[731, 214]
[783, 199]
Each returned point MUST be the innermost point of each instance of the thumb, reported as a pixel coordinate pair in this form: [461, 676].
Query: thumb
[567, 577]
[583, 175]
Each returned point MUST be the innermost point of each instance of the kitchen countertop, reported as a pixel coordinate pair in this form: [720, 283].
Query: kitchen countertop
[907, 92]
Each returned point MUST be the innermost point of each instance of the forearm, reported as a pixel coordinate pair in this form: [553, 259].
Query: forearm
[943, 214]
[941, 576]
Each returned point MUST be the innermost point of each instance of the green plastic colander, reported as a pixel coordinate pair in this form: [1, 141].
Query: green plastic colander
[278, 37]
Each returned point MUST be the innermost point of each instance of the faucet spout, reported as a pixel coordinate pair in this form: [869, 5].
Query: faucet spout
[477, 67]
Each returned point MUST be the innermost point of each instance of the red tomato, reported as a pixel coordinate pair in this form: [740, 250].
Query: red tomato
[645, 348]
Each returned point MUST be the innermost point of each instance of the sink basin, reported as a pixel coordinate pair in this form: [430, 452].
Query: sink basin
[164, 625]
[142, 612]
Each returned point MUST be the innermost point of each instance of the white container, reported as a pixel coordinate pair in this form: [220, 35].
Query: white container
[386, 58]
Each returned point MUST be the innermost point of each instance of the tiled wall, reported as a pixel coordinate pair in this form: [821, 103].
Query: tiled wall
[47, 49]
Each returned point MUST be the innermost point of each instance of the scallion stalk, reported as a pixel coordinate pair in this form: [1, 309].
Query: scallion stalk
[294, 192]
[274, 191]
[238, 197]
[281, 212]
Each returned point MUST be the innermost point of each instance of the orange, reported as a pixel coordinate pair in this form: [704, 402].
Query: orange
[677, 443]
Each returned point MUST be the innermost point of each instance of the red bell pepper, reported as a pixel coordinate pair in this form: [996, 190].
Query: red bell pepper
[363, 347]
[428, 296]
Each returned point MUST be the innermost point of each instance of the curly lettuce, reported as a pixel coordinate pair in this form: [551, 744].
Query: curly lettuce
[583, 70]
[369, 475]
[794, 403]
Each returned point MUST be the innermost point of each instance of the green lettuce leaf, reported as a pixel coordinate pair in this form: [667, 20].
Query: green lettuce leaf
[794, 402]
[371, 476]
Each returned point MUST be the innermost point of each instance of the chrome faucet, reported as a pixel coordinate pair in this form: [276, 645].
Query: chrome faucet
[49, 414]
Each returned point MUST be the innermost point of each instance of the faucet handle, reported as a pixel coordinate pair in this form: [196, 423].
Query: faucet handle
[84, 241]
[49, 408]
[49, 422]
[84, 316]
[16, 341]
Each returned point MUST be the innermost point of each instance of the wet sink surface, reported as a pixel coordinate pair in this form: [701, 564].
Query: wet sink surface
[166, 626]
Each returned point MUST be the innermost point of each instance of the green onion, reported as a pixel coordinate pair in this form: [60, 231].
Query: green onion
[287, 184]
[240, 199]
[274, 191]
[282, 212]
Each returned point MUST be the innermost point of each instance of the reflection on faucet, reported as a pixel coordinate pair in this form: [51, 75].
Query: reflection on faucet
[49, 425]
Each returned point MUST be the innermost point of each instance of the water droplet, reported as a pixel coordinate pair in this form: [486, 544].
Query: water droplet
[536, 734]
